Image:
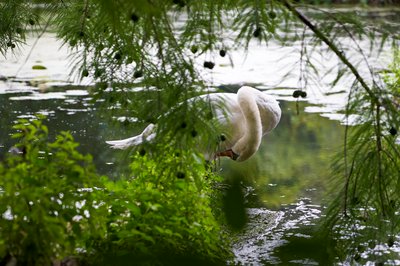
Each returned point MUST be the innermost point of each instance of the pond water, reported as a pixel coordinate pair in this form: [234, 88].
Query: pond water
[286, 181]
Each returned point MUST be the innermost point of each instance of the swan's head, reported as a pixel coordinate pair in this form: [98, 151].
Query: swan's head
[249, 116]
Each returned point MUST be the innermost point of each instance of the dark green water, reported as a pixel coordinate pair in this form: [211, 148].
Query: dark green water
[74, 113]
[287, 182]
[294, 159]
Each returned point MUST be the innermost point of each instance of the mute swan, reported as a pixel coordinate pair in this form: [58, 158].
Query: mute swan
[243, 117]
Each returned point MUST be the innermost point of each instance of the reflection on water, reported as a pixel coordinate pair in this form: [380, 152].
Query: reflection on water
[70, 110]
[288, 179]
[287, 183]
[293, 161]
[282, 237]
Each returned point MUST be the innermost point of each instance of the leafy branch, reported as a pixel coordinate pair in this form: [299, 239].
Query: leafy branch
[333, 48]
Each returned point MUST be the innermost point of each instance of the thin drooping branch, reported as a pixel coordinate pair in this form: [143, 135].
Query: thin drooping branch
[320, 35]
[379, 157]
[347, 174]
[34, 45]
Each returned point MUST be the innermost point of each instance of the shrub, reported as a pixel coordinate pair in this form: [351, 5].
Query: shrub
[49, 202]
[54, 205]
[162, 215]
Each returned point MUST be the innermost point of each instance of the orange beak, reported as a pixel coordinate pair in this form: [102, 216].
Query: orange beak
[228, 153]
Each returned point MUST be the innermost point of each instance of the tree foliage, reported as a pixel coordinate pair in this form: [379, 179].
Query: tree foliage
[368, 170]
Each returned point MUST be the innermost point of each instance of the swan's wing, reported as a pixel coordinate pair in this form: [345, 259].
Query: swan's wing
[224, 106]
[230, 119]
[148, 134]
[270, 111]
[125, 143]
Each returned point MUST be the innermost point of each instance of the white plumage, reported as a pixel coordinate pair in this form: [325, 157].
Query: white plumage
[244, 118]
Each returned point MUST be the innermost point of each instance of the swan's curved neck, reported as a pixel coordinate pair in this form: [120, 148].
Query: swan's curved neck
[249, 143]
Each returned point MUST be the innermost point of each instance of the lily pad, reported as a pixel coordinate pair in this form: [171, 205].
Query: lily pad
[38, 67]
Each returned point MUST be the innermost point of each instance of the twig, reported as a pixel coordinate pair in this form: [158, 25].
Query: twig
[379, 158]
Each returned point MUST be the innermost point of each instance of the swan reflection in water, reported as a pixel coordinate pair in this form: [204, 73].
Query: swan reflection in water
[244, 118]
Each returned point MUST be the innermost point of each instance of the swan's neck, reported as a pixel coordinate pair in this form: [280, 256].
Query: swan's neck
[249, 143]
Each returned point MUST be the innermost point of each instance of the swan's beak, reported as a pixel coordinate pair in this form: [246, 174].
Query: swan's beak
[229, 153]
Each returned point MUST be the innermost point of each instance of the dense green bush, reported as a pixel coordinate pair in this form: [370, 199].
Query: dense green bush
[54, 205]
[162, 215]
[49, 197]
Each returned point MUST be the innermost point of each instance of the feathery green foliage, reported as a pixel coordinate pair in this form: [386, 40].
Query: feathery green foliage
[369, 170]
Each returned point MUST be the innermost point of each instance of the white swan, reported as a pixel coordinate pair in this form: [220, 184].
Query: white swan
[243, 117]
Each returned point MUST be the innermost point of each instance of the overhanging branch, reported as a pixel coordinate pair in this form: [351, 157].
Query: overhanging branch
[320, 35]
